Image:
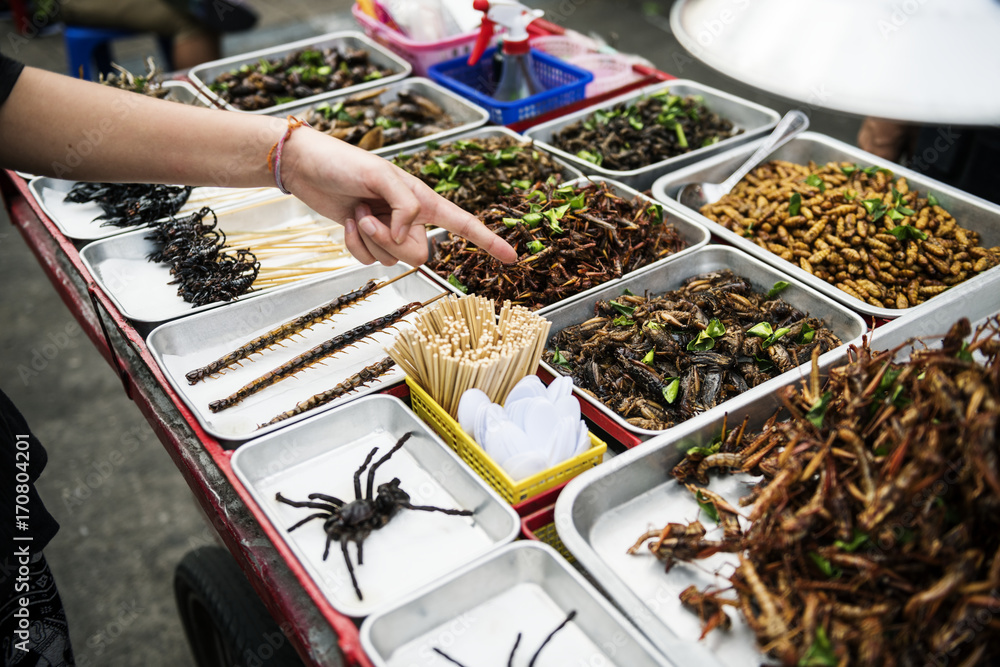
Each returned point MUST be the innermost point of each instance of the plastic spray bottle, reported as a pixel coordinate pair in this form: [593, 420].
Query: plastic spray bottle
[517, 79]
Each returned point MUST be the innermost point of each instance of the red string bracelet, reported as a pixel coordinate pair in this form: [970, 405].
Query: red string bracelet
[275, 152]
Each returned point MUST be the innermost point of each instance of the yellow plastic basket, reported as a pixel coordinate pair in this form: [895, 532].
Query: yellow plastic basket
[513, 492]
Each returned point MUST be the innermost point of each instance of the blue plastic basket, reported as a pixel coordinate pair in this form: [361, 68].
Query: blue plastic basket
[564, 85]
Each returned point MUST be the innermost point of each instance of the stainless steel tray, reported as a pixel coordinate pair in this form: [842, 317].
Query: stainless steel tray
[977, 302]
[603, 511]
[204, 74]
[695, 234]
[192, 342]
[414, 548]
[77, 222]
[969, 211]
[475, 615]
[183, 92]
[753, 119]
[848, 326]
[464, 114]
[140, 288]
[601, 514]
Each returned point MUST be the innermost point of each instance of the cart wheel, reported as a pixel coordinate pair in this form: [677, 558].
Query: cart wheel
[225, 621]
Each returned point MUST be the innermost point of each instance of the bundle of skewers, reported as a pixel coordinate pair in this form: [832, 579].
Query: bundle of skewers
[211, 266]
[463, 343]
[316, 355]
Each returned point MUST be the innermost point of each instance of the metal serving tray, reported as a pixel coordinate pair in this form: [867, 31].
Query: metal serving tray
[77, 220]
[754, 119]
[415, 548]
[848, 326]
[476, 614]
[465, 114]
[977, 302]
[183, 92]
[204, 74]
[140, 288]
[969, 211]
[192, 342]
[695, 234]
[603, 511]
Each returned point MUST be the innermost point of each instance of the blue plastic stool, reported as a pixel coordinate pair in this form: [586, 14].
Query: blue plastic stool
[86, 45]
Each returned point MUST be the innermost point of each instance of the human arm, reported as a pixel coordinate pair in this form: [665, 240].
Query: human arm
[54, 125]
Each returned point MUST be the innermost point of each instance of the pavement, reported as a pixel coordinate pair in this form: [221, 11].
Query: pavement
[127, 516]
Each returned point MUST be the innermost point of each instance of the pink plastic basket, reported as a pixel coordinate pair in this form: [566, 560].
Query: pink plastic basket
[610, 71]
[419, 54]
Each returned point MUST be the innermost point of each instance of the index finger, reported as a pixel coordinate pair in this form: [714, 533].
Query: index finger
[455, 219]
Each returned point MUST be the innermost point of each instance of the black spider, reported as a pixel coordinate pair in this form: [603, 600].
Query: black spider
[510, 661]
[354, 521]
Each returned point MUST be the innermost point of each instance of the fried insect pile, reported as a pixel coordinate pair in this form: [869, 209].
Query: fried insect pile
[364, 121]
[476, 173]
[659, 360]
[130, 204]
[860, 229]
[875, 534]
[517, 642]
[203, 269]
[355, 520]
[150, 83]
[567, 238]
[634, 135]
[299, 74]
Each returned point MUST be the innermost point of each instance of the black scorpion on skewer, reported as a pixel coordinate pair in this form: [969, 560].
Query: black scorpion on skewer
[354, 521]
[286, 330]
[359, 379]
[314, 356]
[129, 204]
[510, 661]
[223, 280]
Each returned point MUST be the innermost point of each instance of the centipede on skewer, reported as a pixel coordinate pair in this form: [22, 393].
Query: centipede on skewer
[317, 354]
[359, 379]
[290, 328]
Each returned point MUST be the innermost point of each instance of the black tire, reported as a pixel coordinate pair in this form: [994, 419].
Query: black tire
[225, 621]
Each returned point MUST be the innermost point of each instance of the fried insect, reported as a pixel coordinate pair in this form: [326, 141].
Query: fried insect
[130, 204]
[875, 531]
[282, 332]
[567, 238]
[636, 134]
[476, 173]
[364, 120]
[517, 642]
[359, 379]
[860, 229]
[314, 356]
[299, 74]
[659, 359]
[354, 521]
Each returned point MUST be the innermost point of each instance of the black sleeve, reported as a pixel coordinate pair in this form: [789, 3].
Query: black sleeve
[10, 69]
[22, 459]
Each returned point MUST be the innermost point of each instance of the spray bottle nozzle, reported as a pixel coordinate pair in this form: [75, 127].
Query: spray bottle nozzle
[513, 16]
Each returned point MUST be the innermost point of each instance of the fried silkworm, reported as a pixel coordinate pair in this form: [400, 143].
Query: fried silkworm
[362, 377]
[282, 332]
[314, 356]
